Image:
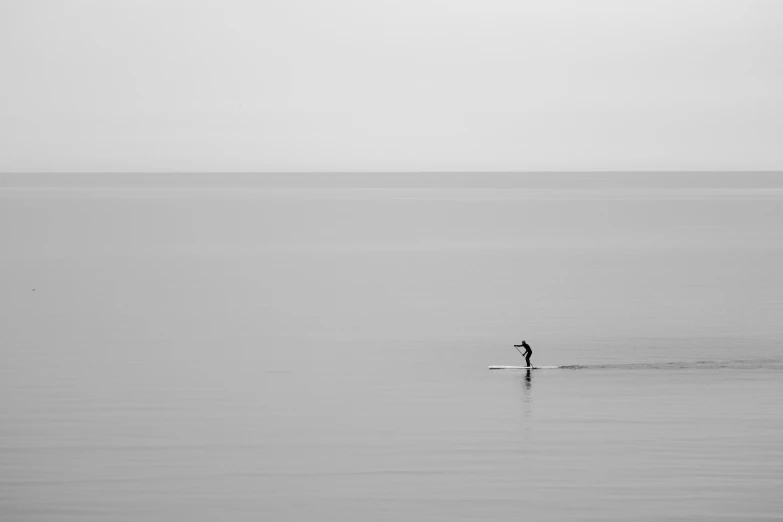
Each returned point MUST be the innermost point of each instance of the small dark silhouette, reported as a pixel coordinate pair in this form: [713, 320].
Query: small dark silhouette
[528, 352]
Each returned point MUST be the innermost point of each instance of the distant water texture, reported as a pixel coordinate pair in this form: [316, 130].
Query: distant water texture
[292, 348]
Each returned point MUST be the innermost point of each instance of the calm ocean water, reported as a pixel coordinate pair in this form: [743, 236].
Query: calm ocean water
[316, 347]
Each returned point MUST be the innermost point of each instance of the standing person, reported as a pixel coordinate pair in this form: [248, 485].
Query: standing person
[528, 352]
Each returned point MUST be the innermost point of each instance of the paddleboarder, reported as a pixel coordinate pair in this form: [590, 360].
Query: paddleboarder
[528, 352]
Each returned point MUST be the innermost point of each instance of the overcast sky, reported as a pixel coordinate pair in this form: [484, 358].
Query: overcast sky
[232, 85]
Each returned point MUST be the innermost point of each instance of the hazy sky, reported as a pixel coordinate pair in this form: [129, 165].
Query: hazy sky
[126, 85]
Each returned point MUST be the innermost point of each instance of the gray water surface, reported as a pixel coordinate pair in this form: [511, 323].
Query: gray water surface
[316, 348]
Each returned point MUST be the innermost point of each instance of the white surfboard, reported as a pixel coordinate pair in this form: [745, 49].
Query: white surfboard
[522, 367]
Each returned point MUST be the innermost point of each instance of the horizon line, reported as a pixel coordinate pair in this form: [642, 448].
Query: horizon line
[328, 172]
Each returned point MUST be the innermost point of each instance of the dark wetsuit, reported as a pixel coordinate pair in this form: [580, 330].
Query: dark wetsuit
[528, 352]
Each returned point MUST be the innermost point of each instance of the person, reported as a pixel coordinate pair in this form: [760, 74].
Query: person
[528, 352]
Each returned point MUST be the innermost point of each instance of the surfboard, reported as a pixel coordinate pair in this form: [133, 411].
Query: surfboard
[522, 367]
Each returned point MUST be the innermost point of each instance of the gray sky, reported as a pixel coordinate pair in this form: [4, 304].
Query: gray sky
[162, 85]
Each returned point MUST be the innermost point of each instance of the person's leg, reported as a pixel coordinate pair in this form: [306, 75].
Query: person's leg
[527, 360]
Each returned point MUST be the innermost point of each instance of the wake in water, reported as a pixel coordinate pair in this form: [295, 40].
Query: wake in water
[739, 364]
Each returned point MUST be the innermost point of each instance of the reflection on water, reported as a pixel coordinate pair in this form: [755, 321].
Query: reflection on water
[528, 380]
